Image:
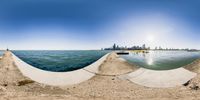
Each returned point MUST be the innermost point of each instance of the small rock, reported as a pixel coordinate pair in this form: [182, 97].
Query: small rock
[187, 83]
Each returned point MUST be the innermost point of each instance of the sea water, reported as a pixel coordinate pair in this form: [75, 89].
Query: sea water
[162, 60]
[60, 61]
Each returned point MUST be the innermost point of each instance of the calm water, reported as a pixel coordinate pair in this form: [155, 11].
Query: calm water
[60, 61]
[162, 60]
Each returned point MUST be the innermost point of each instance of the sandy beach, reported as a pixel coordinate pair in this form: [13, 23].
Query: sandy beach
[105, 85]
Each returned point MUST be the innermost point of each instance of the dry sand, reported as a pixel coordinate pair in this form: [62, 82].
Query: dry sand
[104, 86]
[116, 66]
[194, 66]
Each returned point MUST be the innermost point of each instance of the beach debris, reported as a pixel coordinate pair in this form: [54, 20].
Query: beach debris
[5, 84]
[24, 82]
[187, 83]
[194, 87]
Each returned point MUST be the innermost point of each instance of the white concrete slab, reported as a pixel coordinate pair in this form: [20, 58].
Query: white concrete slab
[160, 79]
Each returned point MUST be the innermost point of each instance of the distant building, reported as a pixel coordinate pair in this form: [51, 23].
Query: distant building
[114, 46]
[143, 47]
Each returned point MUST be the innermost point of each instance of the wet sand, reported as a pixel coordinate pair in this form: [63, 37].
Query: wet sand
[104, 86]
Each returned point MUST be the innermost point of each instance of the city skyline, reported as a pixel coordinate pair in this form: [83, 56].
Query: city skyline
[93, 24]
[143, 47]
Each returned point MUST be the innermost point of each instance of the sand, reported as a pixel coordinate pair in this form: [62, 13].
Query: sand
[116, 66]
[194, 66]
[103, 86]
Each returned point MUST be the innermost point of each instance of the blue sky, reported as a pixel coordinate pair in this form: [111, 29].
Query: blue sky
[93, 24]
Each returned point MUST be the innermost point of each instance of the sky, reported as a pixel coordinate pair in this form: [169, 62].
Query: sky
[96, 24]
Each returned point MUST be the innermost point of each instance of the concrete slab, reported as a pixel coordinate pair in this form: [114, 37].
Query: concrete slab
[160, 79]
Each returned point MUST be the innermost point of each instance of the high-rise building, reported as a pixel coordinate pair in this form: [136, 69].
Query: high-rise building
[114, 46]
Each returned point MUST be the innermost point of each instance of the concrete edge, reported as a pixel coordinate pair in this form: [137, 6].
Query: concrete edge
[94, 68]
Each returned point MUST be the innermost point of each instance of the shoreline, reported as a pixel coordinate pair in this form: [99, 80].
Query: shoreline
[139, 75]
[58, 78]
[99, 87]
